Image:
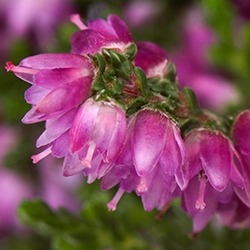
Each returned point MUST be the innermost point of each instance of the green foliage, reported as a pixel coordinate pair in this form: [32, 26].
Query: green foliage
[128, 228]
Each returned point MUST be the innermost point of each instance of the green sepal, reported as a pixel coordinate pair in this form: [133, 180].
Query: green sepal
[192, 100]
[99, 62]
[135, 106]
[171, 72]
[118, 62]
[140, 75]
[98, 84]
[131, 51]
[164, 87]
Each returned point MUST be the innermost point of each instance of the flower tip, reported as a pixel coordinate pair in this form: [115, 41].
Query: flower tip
[111, 206]
[76, 19]
[40, 156]
[9, 66]
[34, 159]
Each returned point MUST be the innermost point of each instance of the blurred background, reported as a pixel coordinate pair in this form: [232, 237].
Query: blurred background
[208, 41]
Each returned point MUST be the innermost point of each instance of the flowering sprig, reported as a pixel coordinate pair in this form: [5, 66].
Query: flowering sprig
[114, 111]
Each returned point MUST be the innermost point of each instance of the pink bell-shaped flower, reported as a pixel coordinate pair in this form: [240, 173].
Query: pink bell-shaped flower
[150, 162]
[214, 170]
[100, 34]
[60, 82]
[96, 137]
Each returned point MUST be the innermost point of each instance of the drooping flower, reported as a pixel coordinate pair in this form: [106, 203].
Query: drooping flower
[152, 59]
[60, 82]
[214, 169]
[99, 34]
[96, 137]
[150, 162]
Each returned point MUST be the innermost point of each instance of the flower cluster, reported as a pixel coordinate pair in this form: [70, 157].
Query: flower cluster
[113, 111]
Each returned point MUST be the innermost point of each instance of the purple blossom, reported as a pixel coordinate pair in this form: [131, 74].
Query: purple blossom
[152, 59]
[214, 170]
[59, 82]
[100, 34]
[150, 162]
[96, 137]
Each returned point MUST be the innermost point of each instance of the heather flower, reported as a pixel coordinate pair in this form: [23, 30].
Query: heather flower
[151, 58]
[214, 170]
[59, 82]
[96, 137]
[100, 34]
[150, 162]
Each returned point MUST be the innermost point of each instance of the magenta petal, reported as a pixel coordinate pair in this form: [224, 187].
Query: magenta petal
[104, 126]
[56, 128]
[192, 144]
[171, 158]
[182, 176]
[53, 61]
[109, 180]
[104, 28]
[236, 174]
[65, 98]
[216, 158]
[149, 55]
[160, 190]
[118, 137]
[60, 147]
[53, 78]
[87, 42]
[35, 94]
[120, 28]
[32, 116]
[190, 196]
[148, 140]
[241, 132]
[83, 125]
[72, 165]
